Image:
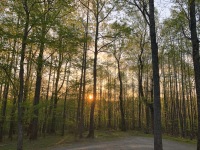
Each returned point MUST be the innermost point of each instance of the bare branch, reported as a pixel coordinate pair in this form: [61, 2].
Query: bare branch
[106, 45]
[183, 31]
[143, 10]
[9, 78]
[107, 14]
[87, 7]
[101, 7]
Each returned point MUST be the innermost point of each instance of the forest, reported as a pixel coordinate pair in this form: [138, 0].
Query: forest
[76, 66]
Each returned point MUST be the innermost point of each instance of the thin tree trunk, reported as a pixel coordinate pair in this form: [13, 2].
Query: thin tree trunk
[21, 76]
[60, 61]
[65, 102]
[123, 122]
[34, 121]
[13, 109]
[3, 110]
[81, 126]
[91, 128]
[46, 99]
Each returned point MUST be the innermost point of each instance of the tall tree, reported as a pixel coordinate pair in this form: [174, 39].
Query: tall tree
[83, 74]
[156, 80]
[26, 8]
[118, 56]
[43, 20]
[149, 16]
[100, 10]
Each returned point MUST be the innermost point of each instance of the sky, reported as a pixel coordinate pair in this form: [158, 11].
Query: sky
[163, 7]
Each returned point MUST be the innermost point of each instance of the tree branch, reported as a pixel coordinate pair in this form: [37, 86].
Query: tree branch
[183, 31]
[107, 14]
[106, 45]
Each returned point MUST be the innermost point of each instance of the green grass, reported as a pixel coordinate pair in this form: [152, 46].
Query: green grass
[41, 144]
[179, 139]
[48, 142]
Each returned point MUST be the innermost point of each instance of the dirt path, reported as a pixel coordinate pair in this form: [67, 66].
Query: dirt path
[130, 143]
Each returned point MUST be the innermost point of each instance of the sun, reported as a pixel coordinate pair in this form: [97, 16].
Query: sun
[90, 97]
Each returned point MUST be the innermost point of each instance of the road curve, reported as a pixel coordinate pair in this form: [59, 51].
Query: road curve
[130, 143]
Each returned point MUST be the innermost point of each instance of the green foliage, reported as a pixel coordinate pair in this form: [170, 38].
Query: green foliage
[121, 29]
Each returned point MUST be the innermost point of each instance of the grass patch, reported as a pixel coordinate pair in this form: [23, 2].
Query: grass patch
[179, 139]
[41, 143]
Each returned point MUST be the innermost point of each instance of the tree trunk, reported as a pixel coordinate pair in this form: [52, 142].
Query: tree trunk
[65, 102]
[91, 128]
[21, 77]
[123, 122]
[46, 99]
[13, 108]
[156, 80]
[60, 61]
[3, 110]
[34, 121]
[81, 125]
[195, 56]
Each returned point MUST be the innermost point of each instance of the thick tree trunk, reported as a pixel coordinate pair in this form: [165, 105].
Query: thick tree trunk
[156, 80]
[195, 56]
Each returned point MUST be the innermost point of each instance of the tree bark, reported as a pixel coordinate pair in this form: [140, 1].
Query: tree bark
[195, 56]
[156, 80]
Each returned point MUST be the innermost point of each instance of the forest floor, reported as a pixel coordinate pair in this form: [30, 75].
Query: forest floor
[128, 143]
[104, 140]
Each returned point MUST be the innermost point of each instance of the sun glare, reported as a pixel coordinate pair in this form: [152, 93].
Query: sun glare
[90, 97]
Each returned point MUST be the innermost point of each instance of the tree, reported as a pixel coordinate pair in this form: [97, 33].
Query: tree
[118, 57]
[155, 64]
[21, 72]
[188, 17]
[195, 56]
[150, 19]
[100, 10]
[82, 88]
[45, 9]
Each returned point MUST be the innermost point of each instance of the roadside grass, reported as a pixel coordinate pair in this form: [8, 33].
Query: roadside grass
[41, 143]
[52, 141]
[180, 139]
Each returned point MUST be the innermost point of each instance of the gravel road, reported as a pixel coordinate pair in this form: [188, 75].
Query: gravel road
[130, 143]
